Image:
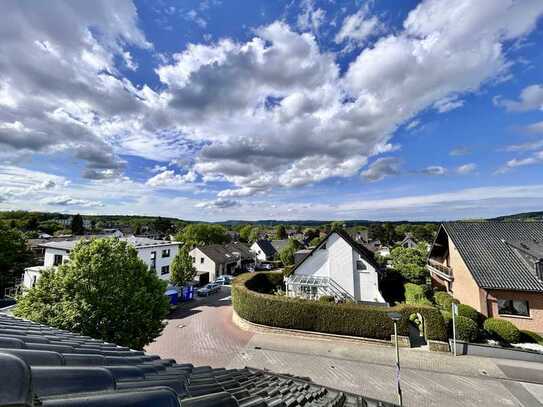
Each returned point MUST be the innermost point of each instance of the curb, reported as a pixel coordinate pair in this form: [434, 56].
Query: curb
[258, 328]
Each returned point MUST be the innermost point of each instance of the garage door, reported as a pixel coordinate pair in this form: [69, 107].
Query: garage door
[204, 278]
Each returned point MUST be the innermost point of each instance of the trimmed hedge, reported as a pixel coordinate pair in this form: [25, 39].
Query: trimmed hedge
[467, 311]
[530, 337]
[415, 294]
[444, 300]
[466, 329]
[251, 301]
[502, 330]
[327, 298]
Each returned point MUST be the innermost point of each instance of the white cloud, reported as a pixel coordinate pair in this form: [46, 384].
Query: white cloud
[169, 179]
[358, 28]
[311, 17]
[65, 200]
[459, 151]
[448, 103]
[531, 98]
[535, 158]
[218, 204]
[381, 168]
[527, 146]
[466, 168]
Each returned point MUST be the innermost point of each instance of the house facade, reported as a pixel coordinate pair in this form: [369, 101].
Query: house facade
[495, 267]
[156, 254]
[267, 250]
[338, 267]
[212, 261]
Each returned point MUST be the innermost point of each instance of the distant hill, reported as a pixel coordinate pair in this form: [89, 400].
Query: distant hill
[525, 216]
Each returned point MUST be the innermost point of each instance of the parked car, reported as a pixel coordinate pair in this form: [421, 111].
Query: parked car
[209, 288]
[250, 269]
[224, 280]
[264, 266]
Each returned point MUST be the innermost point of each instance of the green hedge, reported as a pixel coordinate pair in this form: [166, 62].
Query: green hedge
[466, 329]
[530, 337]
[502, 330]
[252, 301]
[444, 300]
[467, 311]
[415, 294]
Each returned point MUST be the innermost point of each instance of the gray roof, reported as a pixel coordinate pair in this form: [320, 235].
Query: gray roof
[488, 249]
[267, 247]
[135, 241]
[45, 365]
[226, 253]
[279, 244]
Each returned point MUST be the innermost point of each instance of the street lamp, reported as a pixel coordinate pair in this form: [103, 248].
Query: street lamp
[395, 317]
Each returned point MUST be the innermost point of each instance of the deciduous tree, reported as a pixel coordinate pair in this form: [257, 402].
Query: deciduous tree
[182, 268]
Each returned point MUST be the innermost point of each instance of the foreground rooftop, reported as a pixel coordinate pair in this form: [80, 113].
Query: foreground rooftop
[51, 367]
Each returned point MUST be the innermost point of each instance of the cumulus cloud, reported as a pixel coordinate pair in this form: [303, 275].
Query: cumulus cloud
[65, 200]
[381, 168]
[170, 179]
[311, 17]
[218, 204]
[357, 28]
[466, 168]
[531, 98]
[273, 111]
[459, 151]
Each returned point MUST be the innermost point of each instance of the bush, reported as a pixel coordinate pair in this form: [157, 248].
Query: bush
[327, 298]
[467, 311]
[444, 300]
[466, 329]
[530, 337]
[414, 294]
[252, 302]
[447, 318]
[502, 330]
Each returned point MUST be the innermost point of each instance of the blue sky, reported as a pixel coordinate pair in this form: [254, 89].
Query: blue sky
[215, 110]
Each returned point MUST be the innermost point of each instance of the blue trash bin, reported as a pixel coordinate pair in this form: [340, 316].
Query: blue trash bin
[173, 295]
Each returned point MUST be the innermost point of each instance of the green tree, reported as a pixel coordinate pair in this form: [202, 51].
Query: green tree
[162, 225]
[14, 256]
[105, 291]
[254, 235]
[286, 254]
[280, 232]
[337, 225]
[245, 232]
[202, 234]
[77, 225]
[410, 263]
[315, 241]
[182, 268]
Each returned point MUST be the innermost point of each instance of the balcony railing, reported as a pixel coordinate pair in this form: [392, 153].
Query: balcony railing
[439, 268]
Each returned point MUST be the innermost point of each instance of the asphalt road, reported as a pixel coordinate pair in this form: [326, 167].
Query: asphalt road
[202, 333]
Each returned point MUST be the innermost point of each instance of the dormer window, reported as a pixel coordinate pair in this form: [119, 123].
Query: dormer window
[360, 265]
[539, 269]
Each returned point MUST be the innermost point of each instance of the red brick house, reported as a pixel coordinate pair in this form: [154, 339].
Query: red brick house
[496, 267]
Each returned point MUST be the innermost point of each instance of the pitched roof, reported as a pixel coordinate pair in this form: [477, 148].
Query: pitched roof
[267, 247]
[488, 250]
[44, 365]
[359, 248]
[225, 253]
[279, 244]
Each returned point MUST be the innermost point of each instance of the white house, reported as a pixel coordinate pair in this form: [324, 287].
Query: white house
[338, 267]
[157, 254]
[408, 242]
[212, 261]
[266, 250]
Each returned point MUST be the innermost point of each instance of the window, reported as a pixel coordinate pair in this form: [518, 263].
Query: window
[165, 270]
[193, 259]
[360, 265]
[166, 253]
[513, 307]
[153, 261]
[202, 260]
[57, 260]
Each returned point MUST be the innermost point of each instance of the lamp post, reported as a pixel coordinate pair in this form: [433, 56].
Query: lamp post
[395, 317]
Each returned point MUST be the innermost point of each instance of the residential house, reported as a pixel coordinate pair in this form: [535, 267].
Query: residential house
[360, 236]
[157, 254]
[408, 241]
[339, 267]
[267, 250]
[496, 267]
[214, 260]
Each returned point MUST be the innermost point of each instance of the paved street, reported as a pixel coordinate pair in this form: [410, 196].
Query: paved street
[202, 333]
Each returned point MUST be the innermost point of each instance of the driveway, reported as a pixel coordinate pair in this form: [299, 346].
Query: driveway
[202, 333]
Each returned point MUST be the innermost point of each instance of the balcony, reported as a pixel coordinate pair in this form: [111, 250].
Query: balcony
[441, 270]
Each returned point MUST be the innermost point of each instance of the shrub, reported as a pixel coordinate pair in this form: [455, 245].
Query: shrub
[327, 298]
[414, 294]
[467, 311]
[502, 329]
[444, 300]
[447, 318]
[530, 337]
[252, 302]
[466, 329]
